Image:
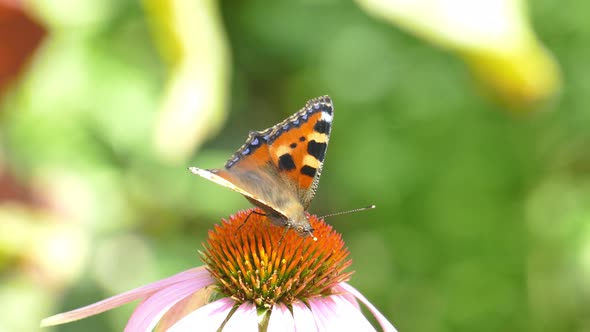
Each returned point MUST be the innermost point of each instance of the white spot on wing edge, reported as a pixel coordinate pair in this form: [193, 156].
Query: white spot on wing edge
[327, 117]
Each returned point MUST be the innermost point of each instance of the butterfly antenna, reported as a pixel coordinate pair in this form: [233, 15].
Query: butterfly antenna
[370, 207]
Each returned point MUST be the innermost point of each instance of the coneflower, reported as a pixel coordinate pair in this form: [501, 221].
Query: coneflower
[253, 280]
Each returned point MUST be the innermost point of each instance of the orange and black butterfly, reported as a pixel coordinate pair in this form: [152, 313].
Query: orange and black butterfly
[278, 169]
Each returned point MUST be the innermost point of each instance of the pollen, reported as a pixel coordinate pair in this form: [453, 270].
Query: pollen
[250, 262]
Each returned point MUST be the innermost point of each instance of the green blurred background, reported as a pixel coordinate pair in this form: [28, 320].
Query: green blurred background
[483, 200]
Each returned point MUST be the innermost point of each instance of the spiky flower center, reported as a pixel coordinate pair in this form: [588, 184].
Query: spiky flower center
[252, 263]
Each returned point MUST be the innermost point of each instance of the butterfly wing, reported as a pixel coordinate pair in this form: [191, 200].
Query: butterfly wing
[279, 168]
[245, 185]
[299, 149]
[222, 178]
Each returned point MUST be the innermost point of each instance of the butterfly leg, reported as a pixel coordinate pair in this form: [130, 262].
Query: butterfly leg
[248, 217]
[283, 236]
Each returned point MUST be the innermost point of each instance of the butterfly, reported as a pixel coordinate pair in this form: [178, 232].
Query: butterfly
[278, 169]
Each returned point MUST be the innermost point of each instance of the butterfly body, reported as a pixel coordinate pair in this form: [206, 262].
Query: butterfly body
[278, 169]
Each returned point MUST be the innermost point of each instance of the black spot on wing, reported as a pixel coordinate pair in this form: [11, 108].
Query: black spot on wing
[286, 162]
[322, 127]
[308, 170]
[293, 145]
[318, 150]
[257, 139]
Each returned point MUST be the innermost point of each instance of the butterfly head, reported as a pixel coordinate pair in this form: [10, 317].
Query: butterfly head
[299, 222]
[303, 228]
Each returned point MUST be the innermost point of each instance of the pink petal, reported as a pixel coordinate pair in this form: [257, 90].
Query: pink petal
[304, 320]
[337, 314]
[244, 319]
[353, 315]
[349, 297]
[324, 317]
[385, 324]
[199, 273]
[207, 318]
[281, 319]
[149, 312]
[185, 307]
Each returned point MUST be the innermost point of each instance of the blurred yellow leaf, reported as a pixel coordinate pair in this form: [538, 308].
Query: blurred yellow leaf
[493, 36]
[191, 39]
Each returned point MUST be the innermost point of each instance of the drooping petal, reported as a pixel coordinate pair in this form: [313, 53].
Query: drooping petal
[148, 313]
[338, 316]
[281, 319]
[244, 319]
[324, 317]
[196, 274]
[351, 314]
[181, 309]
[206, 318]
[385, 324]
[304, 320]
[346, 295]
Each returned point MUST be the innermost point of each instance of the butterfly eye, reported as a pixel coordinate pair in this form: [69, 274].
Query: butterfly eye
[305, 230]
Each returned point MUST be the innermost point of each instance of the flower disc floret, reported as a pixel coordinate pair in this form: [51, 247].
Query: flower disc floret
[265, 265]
